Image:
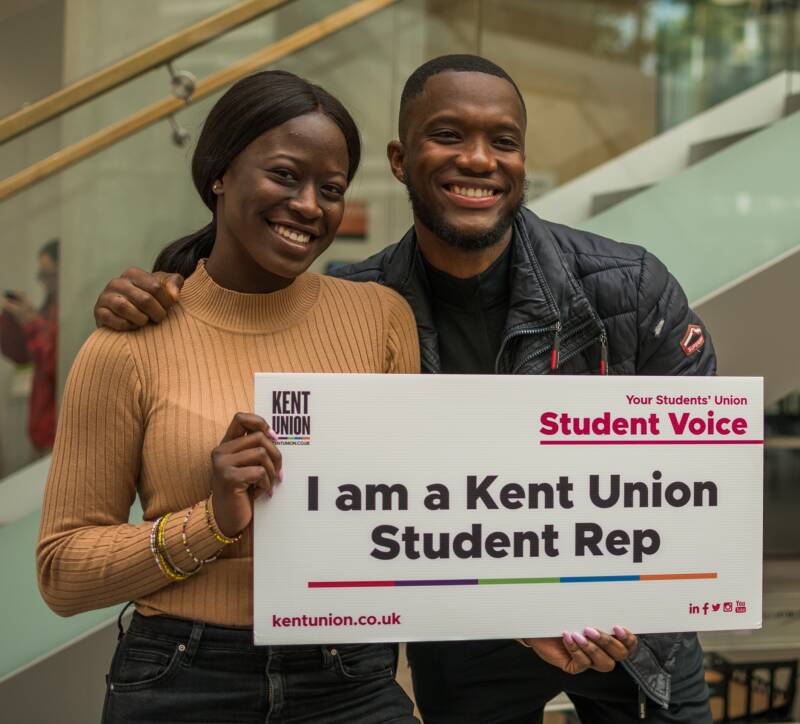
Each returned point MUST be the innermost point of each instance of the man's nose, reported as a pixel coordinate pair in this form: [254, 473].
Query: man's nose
[477, 157]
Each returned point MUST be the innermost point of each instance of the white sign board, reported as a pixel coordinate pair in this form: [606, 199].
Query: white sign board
[433, 507]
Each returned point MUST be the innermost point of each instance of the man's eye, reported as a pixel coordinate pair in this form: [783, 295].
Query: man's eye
[507, 142]
[446, 135]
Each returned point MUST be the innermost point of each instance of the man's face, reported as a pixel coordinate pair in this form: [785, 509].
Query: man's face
[463, 157]
[48, 273]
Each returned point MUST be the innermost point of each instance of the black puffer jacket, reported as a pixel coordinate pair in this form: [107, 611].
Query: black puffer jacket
[604, 307]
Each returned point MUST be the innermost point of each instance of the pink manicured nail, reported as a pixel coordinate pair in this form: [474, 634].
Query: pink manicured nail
[567, 638]
[592, 633]
[619, 632]
[280, 475]
[579, 639]
[271, 434]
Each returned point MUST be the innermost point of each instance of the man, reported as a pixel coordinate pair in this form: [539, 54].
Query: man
[497, 290]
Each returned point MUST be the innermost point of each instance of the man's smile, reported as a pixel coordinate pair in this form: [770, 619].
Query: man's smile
[472, 196]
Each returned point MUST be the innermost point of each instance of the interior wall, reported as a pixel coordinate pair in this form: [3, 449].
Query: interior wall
[120, 207]
[31, 37]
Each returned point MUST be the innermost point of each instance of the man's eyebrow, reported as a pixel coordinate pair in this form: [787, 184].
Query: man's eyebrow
[456, 120]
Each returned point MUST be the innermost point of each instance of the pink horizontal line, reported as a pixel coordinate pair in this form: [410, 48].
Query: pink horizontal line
[651, 442]
[350, 584]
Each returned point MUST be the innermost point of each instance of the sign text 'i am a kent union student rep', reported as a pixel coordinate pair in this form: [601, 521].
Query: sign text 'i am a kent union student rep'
[431, 507]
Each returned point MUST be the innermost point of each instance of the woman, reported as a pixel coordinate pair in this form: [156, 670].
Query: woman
[142, 412]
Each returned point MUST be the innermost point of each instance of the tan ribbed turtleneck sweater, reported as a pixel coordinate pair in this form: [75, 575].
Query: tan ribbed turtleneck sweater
[142, 412]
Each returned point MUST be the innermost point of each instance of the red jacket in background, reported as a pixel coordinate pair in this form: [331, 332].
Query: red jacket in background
[36, 342]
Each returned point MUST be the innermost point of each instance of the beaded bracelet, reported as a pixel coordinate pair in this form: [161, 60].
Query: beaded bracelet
[154, 542]
[219, 536]
[164, 549]
[161, 548]
[185, 539]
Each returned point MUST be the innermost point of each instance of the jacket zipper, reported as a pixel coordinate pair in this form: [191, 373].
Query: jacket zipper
[554, 358]
[645, 690]
[523, 333]
[603, 354]
[555, 327]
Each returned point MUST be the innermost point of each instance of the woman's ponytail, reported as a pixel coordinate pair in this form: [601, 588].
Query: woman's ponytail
[182, 255]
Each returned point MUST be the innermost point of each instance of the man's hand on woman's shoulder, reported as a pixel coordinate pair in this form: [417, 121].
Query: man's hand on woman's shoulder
[137, 297]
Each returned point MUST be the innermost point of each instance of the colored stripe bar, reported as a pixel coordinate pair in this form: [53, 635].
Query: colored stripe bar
[512, 581]
[651, 442]
[677, 576]
[350, 584]
[597, 579]
[443, 582]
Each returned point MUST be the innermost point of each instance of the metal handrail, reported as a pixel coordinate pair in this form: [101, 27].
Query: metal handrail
[104, 138]
[133, 66]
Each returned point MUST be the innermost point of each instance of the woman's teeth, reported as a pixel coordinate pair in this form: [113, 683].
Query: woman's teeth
[472, 192]
[291, 234]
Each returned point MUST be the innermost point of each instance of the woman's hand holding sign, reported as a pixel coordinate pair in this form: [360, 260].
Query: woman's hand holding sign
[246, 464]
[594, 649]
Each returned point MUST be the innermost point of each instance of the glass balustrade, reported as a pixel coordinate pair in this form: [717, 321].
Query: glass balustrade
[599, 77]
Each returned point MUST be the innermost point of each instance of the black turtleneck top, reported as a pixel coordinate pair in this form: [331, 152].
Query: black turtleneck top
[470, 315]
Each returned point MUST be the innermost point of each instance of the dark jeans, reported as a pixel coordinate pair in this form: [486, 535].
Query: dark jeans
[172, 670]
[502, 682]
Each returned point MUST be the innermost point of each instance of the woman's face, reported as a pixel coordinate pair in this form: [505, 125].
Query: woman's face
[280, 203]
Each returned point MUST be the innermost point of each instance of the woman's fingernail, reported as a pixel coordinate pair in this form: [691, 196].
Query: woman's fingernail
[619, 632]
[579, 639]
[280, 475]
[568, 638]
[271, 434]
[591, 633]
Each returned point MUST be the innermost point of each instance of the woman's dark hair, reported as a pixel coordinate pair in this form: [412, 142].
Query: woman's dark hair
[249, 108]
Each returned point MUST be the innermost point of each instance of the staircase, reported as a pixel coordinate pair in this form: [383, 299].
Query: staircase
[717, 199]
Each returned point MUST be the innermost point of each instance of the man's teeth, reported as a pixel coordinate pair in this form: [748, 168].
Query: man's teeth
[291, 234]
[472, 192]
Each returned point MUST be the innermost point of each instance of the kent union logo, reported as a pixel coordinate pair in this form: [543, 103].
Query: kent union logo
[291, 419]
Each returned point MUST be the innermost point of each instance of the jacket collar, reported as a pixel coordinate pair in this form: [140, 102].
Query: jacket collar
[404, 271]
[546, 302]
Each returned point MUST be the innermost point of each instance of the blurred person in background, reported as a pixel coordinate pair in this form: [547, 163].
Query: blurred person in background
[28, 335]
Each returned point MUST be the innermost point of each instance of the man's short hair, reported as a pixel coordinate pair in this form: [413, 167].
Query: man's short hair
[462, 63]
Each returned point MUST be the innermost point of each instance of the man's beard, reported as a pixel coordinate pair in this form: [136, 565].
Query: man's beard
[452, 235]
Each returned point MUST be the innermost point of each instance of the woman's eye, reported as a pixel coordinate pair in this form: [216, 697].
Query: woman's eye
[283, 173]
[333, 190]
[507, 142]
[446, 135]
